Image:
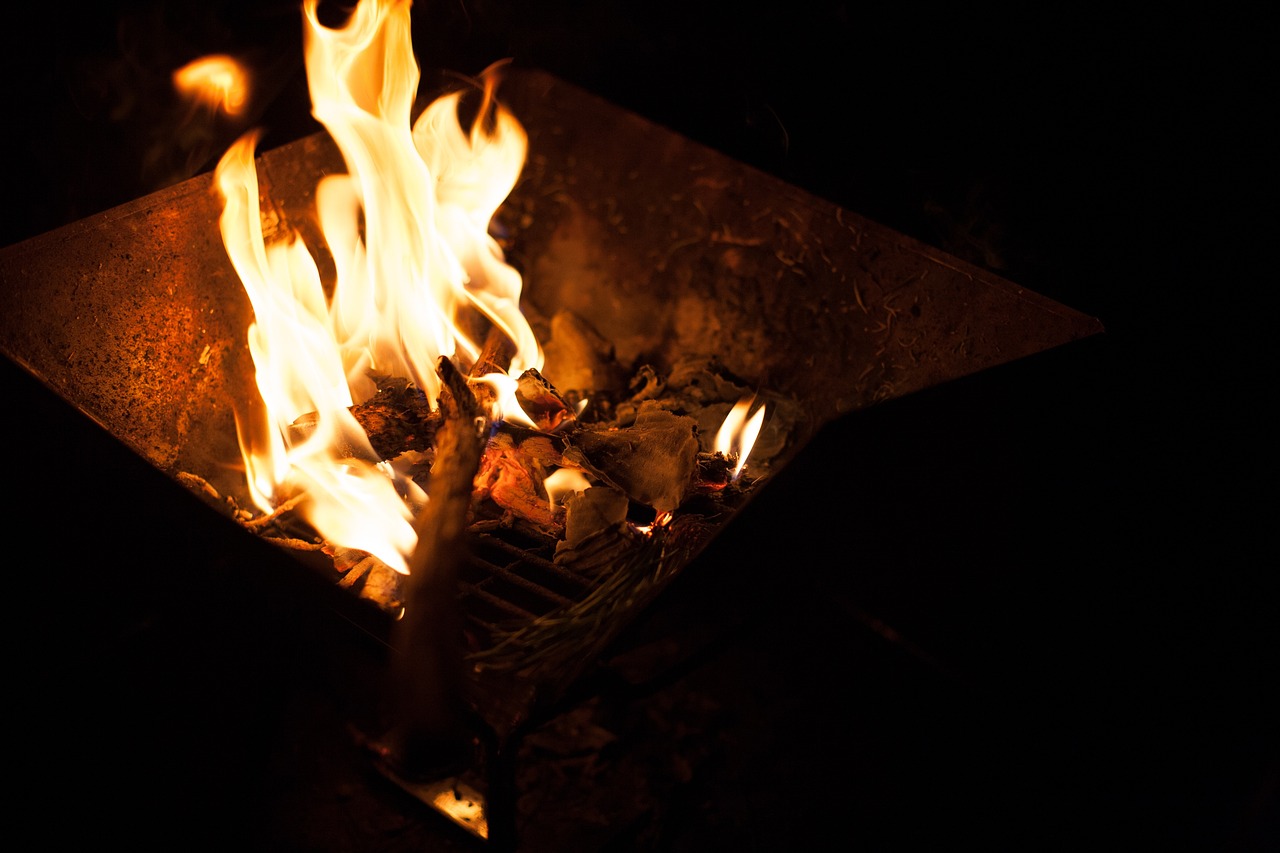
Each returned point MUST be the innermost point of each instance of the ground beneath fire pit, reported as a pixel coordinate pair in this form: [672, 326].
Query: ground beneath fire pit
[733, 755]
[730, 756]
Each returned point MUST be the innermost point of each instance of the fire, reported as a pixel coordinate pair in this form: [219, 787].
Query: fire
[737, 435]
[563, 482]
[417, 274]
[218, 82]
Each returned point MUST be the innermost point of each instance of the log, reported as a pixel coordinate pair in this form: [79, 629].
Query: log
[429, 735]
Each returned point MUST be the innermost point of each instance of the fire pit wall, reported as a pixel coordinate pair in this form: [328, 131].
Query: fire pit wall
[668, 249]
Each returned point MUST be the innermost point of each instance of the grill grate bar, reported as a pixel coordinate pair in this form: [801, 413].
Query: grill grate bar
[532, 559]
[498, 602]
[524, 583]
[489, 629]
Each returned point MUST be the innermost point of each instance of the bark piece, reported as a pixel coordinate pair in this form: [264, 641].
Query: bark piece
[652, 461]
[542, 403]
[396, 418]
[595, 509]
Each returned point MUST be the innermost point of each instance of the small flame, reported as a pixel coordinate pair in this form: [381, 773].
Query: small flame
[563, 482]
[416, 268]
[218, 82]
[506, 405]
[660, 521]
[737, 435]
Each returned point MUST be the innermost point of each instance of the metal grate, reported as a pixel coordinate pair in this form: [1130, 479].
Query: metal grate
[509, 579]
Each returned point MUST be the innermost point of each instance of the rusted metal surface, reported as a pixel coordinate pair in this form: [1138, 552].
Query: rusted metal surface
[135, 316]
[671, 250]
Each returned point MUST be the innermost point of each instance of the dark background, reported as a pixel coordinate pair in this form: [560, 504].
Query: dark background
[1071, 553]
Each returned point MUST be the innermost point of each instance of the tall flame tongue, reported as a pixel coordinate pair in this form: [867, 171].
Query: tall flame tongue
[408, 230]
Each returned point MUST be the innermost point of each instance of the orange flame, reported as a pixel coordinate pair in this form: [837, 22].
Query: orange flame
[408, 231]
[564, 482]
[217, 81]
[737, 434]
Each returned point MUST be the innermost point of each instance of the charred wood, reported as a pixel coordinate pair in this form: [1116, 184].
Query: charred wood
[542, 403]
[511, 475]
[397, 418]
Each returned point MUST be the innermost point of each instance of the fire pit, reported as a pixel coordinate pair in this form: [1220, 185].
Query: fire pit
[667, 250]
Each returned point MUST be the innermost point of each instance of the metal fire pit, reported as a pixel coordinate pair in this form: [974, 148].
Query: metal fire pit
[668, 249]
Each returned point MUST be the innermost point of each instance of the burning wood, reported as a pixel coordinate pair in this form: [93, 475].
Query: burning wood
[513, 475]
[388, 440]
[351, 374]
[645, 465]
[397, 419]
[428, 701]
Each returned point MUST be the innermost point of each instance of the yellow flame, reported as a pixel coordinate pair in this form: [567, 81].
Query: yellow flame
[217, 81]
[563, 482]
[408, 231]
[737, 435]
[506, 405]
[660, 521]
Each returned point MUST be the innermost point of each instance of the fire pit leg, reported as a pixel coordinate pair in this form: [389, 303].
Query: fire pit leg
[500, 798]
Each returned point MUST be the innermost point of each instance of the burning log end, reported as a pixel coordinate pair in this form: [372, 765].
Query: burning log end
[496, 355]
[456, 401]
[715, 472]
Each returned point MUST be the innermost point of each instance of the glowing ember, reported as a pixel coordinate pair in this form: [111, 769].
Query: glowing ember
[416, 272]
[218, 82]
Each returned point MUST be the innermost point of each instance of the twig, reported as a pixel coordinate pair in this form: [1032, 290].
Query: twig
[263, 520]
[295, 544]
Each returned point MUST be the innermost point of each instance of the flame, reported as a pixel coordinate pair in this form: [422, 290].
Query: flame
[416, 267]
[660, 521]
[563, 482]
[505, 405]
[217, 81]
[737, 434]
